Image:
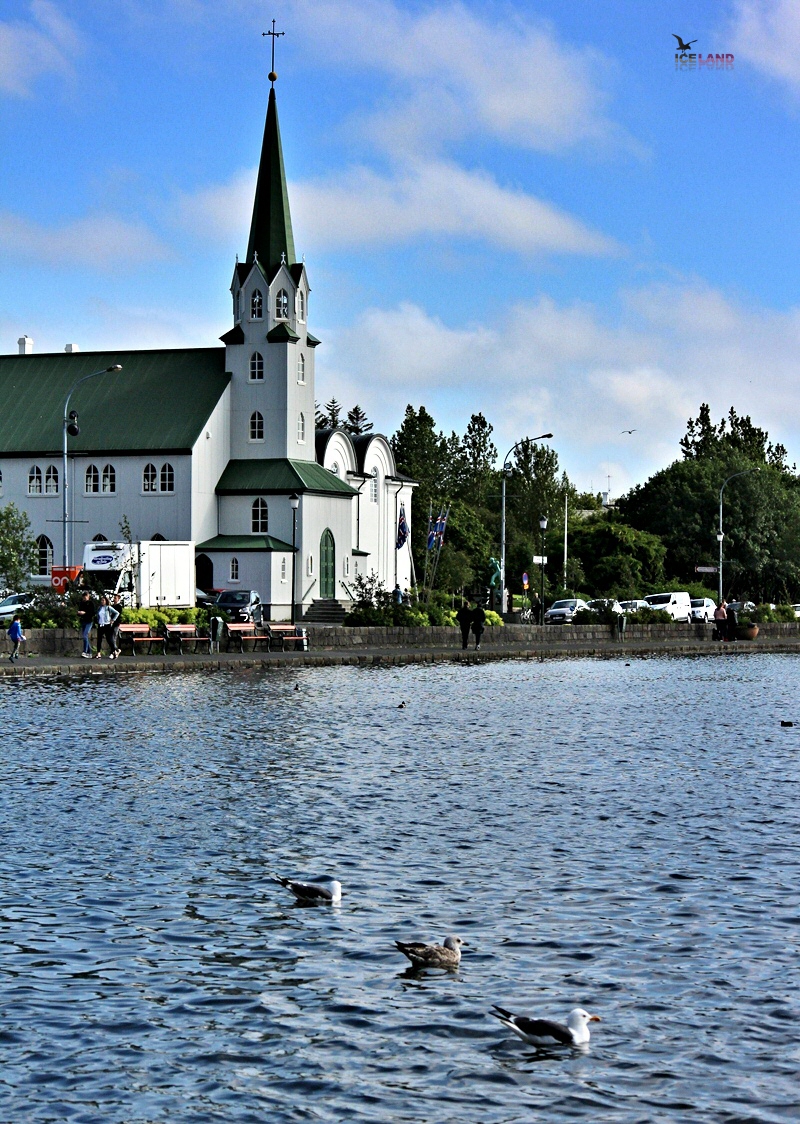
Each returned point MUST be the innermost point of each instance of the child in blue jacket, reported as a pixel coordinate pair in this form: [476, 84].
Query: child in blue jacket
[16, 636]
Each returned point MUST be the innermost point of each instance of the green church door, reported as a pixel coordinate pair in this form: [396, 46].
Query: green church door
[327, 566]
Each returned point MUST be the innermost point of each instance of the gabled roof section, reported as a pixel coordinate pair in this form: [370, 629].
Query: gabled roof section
[244, 543]
[271, 226]
[160, 399]
[235, 335]
[282, 333]
[312, 341]
[279, 476]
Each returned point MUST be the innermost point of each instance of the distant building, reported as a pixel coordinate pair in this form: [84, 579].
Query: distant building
[211, 443]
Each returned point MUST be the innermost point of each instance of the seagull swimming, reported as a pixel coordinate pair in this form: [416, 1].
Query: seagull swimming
[327, 892]
[445, 955]
[544, 1032]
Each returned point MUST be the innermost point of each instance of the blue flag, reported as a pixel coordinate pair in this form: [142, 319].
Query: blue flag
[402, 528]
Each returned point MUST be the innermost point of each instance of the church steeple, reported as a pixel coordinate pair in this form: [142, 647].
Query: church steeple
[271, 227]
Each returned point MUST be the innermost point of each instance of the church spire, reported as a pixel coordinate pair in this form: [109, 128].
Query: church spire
[271, 227]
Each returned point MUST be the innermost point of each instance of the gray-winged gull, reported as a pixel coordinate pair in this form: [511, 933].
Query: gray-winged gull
[544, 1032]
[445, 955]
[328, 891]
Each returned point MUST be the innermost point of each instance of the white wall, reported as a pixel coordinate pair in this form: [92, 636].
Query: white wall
[210, 455]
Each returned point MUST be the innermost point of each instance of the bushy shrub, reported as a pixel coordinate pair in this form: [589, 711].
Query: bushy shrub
[51, 610]
[650, 616]
[374, 605]
[785, 613]
[492, 618]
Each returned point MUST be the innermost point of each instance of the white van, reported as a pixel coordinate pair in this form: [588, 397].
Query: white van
[678, 605]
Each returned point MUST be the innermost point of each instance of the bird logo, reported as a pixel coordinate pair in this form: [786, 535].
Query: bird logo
[683, 47]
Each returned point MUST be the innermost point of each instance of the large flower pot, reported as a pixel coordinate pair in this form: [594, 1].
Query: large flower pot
[747, 632]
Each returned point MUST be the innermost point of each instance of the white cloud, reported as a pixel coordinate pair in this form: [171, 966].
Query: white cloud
[101, 241]
[47, 43]
[767, 34]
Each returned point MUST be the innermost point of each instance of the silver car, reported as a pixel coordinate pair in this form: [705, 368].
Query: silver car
[703, 610]
[15, 603]
[562, 612]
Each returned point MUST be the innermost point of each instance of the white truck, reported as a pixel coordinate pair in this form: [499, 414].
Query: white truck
[150, 574]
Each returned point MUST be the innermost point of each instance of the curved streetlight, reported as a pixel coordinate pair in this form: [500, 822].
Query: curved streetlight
[71, 430]
[507, 472]
[720, 533]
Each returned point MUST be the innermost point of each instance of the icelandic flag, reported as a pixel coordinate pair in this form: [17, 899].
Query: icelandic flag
[402, 528]
[432, 533]
[441, 525]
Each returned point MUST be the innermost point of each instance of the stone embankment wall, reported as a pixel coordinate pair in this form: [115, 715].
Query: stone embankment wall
[67, 642]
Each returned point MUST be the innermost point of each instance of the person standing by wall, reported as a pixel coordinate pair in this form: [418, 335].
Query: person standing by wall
[732, 622]
[116, 603]
[86, 611]
[16, 636]
[464, 618]
[478, 624]
[720, 621]
[106, 616]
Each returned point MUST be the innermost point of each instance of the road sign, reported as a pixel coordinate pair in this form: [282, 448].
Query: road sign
[525, 581]
[705, 569]
[540, 559]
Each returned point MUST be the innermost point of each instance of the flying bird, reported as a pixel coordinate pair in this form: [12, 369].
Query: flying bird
[326, 892]
[628, 431]
[445, 955]
[544, 1032]
[683, 46]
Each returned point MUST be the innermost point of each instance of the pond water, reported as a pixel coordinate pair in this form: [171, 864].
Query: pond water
[619, 837]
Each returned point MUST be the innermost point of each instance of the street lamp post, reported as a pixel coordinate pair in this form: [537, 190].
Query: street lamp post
[720, 533]
[294, 502]
[543, 525]
[71, 430]
[506, 473]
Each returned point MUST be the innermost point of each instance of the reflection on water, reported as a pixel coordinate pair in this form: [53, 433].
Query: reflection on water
[622, 838]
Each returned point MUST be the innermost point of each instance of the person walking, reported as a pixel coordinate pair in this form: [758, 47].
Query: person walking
[721, 621]
[536, 608]
[478, 624]
[16, 636]
[397, 594]
[732, 622]
[86, 611]
[106, 615]
[116, 603]
[464, 618]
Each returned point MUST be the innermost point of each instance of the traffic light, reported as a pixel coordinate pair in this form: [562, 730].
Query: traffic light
[72, 428]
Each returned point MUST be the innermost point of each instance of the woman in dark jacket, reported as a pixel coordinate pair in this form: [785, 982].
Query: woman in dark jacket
[478, 624]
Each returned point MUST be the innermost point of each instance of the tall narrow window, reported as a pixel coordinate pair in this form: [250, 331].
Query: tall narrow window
[301, 305]
[92, 478]
[167, 478]
[256, 427]
[373, 486]
[34, 480]
[282, 305]
[283, 569]
[301, 428]
[45, 555]
[1, 483]
[256, 305]
[256, 367]
[234, 569]
[260, 517]
[51, 480]
[150, 478]
[109, 479]
[237, 305]
[301, 367]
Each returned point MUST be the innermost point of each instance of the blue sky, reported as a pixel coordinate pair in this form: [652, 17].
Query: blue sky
[518, 208]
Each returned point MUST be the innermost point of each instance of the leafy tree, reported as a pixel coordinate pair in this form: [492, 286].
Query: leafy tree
[18, 550]
[357, 422]
[617, 560]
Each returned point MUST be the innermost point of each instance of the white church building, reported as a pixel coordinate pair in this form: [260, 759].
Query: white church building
[212, 444]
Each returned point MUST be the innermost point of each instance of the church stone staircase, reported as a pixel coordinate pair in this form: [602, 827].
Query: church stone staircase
[325, 612]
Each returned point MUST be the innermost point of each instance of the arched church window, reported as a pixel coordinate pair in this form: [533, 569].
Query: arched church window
[167, 478]
[51, 480]
[157, 537]
[34, 480]
[150, 478]
[256, 426]
[109, 479]
[373, 486]
[234, 569]
[259, 522]
[301, 305]
[256, 305]
[44, 549]
[282, 305]
[256, 367]
[92, 479]
[301, 428]
[301, 368]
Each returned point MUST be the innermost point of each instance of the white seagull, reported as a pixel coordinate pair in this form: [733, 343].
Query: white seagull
[544, 1032]
[445, 955]
[327, 892]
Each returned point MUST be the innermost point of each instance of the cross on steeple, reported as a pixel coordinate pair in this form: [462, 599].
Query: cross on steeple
[273, 77]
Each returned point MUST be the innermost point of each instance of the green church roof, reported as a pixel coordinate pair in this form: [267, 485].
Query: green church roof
[160, 400]
[279, 477]
[243, 543]
[271, 226]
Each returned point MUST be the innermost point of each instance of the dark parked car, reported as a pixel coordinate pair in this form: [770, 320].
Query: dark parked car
[240, 604]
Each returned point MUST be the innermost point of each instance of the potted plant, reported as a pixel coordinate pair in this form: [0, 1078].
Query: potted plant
[747, 629]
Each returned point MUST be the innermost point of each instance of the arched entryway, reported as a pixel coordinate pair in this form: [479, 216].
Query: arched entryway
[204, 572]
[327, 565]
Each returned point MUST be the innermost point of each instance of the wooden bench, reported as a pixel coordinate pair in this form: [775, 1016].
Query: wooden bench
[141, 634]
[288, 635]
[240, 632]
[184, 634]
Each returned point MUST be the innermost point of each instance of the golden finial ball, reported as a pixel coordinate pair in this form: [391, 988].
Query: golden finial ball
[273, 77]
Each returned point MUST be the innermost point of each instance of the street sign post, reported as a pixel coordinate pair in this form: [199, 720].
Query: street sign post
[706, 569]
[525, 581]
[540, 559]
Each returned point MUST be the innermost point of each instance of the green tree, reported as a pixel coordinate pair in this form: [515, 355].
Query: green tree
[357, 422]
[616, 559]
[18, 550]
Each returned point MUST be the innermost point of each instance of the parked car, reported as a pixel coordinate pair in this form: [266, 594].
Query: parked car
[703, 609]
[678, 605]
[796, 610]
[633, 606]
[601, 603]
[562, 612]
[203, 598]
[241, 604]
[15, 603]
[741, 606]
